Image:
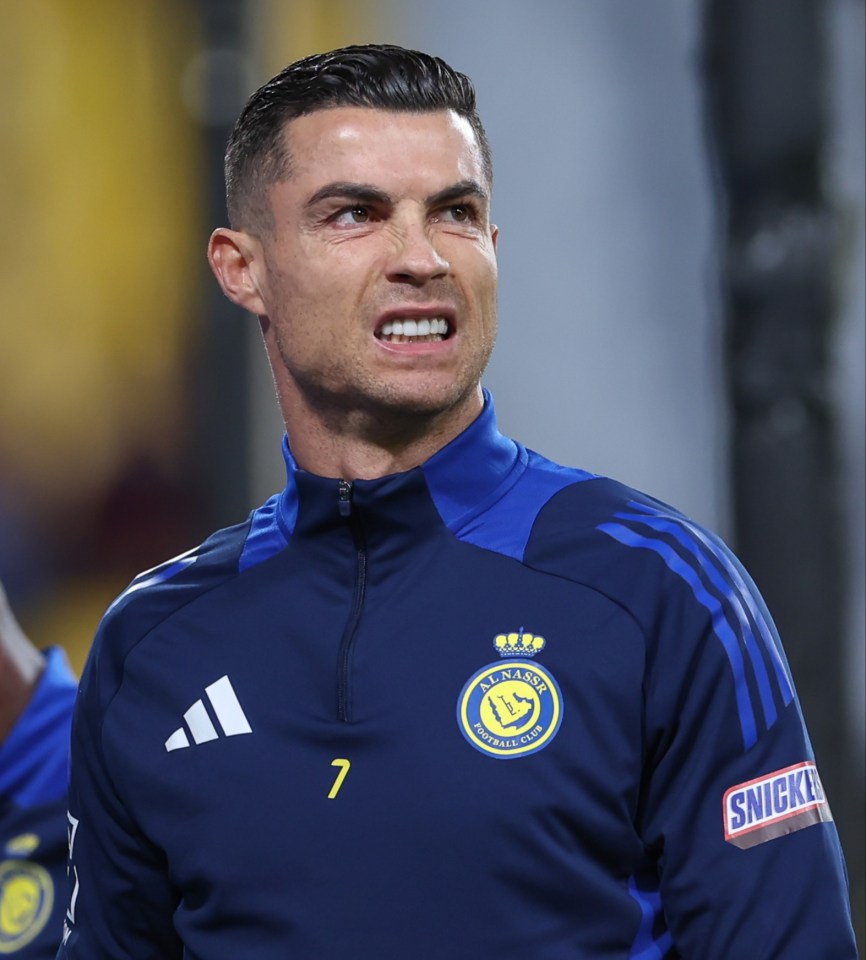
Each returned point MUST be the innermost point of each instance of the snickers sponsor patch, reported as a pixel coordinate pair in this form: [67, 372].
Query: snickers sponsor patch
[773, 805]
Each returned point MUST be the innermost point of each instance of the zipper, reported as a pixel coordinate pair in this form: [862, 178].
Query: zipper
[344, 498]
[344, 503]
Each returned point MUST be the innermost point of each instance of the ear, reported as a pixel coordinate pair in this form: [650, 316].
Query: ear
[494, 234]
[235, 258]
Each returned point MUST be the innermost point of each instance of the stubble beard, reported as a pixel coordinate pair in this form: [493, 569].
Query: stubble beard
[378, 409]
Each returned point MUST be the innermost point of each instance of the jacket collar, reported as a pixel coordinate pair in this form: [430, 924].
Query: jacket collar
[463, 478]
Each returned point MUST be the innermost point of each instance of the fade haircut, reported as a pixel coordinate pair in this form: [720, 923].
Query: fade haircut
[377, 76]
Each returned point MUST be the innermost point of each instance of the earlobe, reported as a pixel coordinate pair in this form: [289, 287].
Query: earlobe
[232, 255]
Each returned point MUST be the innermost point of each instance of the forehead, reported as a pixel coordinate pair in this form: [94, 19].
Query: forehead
[374, 146]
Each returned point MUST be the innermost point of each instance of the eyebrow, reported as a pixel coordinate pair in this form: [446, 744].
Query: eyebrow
[347, 190]
[366, 193]
[459, 191]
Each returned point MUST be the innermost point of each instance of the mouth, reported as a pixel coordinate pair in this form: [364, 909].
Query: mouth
[414, 330]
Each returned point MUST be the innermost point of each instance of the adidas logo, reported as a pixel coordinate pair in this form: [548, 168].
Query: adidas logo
[228, 712]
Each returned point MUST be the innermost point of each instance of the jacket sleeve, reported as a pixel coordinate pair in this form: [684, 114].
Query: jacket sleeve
[121, 902]
[749, 861]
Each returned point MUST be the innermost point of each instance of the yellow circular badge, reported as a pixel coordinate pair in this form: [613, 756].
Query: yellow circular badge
[510, 709]
[26, 901]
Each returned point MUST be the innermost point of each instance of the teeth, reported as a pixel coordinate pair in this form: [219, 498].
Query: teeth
[437, 327]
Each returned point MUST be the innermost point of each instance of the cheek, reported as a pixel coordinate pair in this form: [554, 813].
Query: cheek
[302, 299]
[330, 280]
[485, 282]
[492, 264]
[477, 261]
[313, 313]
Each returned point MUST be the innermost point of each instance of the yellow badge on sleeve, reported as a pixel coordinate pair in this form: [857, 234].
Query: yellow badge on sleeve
[26, 901]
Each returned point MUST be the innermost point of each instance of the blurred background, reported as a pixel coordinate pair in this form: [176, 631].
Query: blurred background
[680, 193]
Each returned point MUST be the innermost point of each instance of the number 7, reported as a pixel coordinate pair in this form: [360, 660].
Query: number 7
[341, 776]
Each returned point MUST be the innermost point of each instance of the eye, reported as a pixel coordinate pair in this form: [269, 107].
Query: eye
[459, 213]
[353, 215]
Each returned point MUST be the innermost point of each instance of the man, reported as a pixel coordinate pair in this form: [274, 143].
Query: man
[37, 692]
[440, 697]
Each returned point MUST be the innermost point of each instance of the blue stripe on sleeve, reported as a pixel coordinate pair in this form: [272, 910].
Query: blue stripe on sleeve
[728, 594]
[745, 597]
[721, 627]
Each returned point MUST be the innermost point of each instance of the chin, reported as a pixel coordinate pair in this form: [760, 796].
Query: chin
[429, 399]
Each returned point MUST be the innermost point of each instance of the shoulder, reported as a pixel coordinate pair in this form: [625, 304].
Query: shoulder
[158, 592]
[152, 600]
[548, 505]
[597, 527]
[597, 508]
[155, 595]
[631, 546]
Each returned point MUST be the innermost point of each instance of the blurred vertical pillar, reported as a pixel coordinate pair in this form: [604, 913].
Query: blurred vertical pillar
[766, 88]
[220, 79]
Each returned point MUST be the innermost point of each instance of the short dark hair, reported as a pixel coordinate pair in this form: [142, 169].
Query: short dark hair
[378, 76]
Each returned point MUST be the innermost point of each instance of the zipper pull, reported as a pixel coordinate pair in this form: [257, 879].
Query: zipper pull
[345, 498]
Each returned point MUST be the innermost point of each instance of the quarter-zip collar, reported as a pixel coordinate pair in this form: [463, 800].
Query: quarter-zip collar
[463, 479]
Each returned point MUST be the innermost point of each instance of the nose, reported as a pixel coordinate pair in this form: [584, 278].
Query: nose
[415, 259]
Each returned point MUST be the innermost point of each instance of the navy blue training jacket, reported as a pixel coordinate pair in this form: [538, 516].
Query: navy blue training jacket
[488, 707]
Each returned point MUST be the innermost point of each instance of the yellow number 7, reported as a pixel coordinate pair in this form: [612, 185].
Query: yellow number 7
[341, 776]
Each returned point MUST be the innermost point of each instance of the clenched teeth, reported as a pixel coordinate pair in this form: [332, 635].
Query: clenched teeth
[413, 331]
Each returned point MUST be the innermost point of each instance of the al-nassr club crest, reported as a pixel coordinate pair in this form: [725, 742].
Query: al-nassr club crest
[26, 896]
[511, 707]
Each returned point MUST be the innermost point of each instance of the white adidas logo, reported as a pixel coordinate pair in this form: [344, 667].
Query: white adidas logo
[228, 712]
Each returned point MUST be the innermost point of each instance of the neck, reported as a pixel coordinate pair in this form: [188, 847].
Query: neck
[355, 444]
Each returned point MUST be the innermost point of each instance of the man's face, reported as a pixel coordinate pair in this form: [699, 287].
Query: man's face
[378, 278]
